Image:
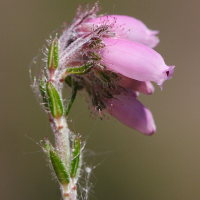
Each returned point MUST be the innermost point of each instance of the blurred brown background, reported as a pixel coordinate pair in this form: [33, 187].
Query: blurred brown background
[128, 164]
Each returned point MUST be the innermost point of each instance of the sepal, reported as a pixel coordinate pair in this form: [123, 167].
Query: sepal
[80, 69]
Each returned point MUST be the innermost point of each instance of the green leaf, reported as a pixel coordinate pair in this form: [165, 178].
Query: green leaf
[76, 157]
[55, 102]
[53, 55]
[72, 98]
[96, 43]
[59, 167]
[43, 93]
[96, 57]
[80, 69]
[68, 80]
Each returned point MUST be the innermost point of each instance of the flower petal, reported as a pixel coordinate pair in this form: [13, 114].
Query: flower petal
[127, 109]
[141, 86]
[126, 27]
[135, 61]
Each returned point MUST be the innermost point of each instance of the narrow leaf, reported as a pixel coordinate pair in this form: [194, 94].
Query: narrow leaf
[59, 167]
[53, 55]
[43, 93]
[80, 69]
[76, 157]
[71, 99]
[55, 102]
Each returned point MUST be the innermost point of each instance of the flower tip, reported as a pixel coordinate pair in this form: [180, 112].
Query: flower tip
[150, 128]
[170, 72]
[154, 32]
[153, 39]
[149, 88]
[151, 132]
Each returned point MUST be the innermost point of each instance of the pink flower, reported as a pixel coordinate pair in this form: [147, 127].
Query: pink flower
[145, 87]
[125, 27]
[127, 109]
[135, 61]
[117, 60]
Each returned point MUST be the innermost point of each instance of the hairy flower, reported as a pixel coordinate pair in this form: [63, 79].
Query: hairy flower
[125, 27]
[135, 61]
[111, 57]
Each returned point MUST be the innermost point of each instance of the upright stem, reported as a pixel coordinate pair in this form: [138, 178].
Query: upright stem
[69, 191]
[62, 140]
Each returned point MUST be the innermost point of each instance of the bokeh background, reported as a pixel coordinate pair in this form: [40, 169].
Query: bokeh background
[126, 164]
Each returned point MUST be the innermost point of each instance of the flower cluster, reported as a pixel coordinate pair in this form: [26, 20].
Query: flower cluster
[112, 58]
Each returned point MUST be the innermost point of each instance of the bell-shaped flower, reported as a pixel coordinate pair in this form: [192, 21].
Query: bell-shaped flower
[112, 58]
[135, 61]
[144, 87]
[127, 109]
[124, 27]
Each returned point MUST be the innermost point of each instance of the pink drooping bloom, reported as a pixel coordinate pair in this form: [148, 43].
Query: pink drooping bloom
[135, 61]
[127, 109]
[126, 27]
[113, 59]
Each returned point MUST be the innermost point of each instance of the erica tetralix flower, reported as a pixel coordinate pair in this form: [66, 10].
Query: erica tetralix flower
[126, 27]
[127, 109]
[112, 58]
[135, 61]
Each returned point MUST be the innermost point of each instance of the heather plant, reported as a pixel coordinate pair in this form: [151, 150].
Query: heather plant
[110, 57]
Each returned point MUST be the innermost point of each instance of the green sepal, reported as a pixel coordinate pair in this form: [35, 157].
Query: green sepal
[55, 102]
[68, 80]
[96, 57]
[107, 76]
[53, 55]
[72, 98]
[76, 158]
[43, 93]
[80, 69]
[58, 167]
[96, 43]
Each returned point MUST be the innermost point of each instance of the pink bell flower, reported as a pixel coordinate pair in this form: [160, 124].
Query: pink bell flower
[125, 27]
[144, 87]
[127, 109]
[135, 61]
